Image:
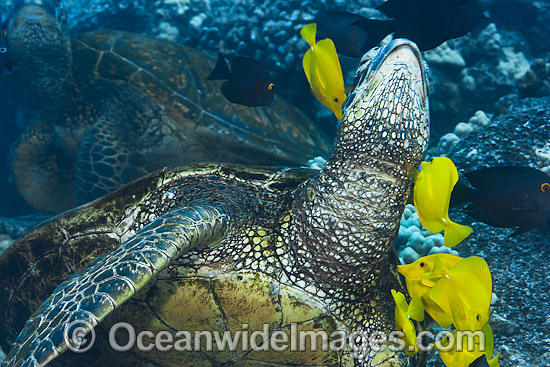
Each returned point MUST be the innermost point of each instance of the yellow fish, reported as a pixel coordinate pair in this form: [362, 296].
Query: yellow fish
[403, 314]
[467, 356]
[323, 71]
[422, 275]
[432, 193]
[464, 293]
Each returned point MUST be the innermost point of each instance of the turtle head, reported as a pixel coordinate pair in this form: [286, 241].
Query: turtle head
[386, 115]
[40, 47]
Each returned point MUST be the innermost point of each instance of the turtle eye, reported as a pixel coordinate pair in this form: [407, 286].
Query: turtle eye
[271, 86]
[545, 187]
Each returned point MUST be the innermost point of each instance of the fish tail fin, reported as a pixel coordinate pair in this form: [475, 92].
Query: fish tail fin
[494, 361]
[455, 233]
[308, 32]
[221, 70]
[462, 194]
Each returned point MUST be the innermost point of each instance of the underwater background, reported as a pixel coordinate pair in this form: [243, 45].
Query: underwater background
[489, 101]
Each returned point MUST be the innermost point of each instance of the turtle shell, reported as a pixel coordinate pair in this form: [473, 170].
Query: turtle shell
[140, 104]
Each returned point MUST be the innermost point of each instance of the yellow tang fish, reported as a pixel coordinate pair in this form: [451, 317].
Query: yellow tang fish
[403, 315]
[422, 275]
[447, 348]
[464, 293]
[323, 71]
[432, 193]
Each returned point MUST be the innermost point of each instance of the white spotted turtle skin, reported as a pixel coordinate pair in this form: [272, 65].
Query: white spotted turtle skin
[118, 105]
[214, 246]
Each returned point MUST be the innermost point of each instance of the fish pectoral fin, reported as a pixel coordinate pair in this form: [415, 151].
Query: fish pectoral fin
[415, 309]
[455, 233]
[439, 295]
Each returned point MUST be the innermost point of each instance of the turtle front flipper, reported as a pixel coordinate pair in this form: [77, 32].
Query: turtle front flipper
[43, 170]
[88, 297]
[103, 165]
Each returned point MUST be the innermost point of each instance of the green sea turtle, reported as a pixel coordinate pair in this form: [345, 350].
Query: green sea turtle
[232, 250]
[117, 105]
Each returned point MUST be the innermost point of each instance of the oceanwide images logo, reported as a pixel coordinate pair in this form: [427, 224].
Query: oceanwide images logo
[80, 337]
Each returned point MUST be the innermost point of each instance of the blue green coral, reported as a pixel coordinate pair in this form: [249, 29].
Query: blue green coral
[413, 241]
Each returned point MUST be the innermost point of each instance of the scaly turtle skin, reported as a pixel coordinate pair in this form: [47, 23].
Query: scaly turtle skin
[117, 105]
[210, 247]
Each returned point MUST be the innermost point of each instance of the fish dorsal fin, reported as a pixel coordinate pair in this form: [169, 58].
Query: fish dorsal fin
[221, 70]
[478, 267]
[415, 309]
[308, 32]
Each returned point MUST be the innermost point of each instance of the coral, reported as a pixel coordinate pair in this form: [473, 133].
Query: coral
[413, 241]
[166, 31]
[317, 163]
[5, 242]
[461, 130]
[512, 66]
[536, 82]
[444, 146]
[445, 56]
[542, 155]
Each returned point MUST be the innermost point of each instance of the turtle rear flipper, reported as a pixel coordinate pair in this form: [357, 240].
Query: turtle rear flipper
[43, 171]
[86, 298]
[102, 165]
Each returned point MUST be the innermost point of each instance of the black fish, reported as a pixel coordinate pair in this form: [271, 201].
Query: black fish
[480, 362]
[247, 83]
[428, 23]
[4, 49]
[506, 197]
[352, 34]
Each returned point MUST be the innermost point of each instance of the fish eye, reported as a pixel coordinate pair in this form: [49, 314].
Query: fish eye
[271, 86]
[422, 264]
[545, 187]
[478, 317]
[3, 50]
[336, 99]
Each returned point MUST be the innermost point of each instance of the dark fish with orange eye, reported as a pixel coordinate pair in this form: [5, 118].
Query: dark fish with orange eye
[506, 197]
[248, 81]
[4, 49]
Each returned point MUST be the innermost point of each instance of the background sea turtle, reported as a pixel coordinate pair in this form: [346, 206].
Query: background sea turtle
[215, 246]
[117, 105]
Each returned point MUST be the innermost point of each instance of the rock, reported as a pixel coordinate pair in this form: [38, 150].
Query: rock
[518, 138]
